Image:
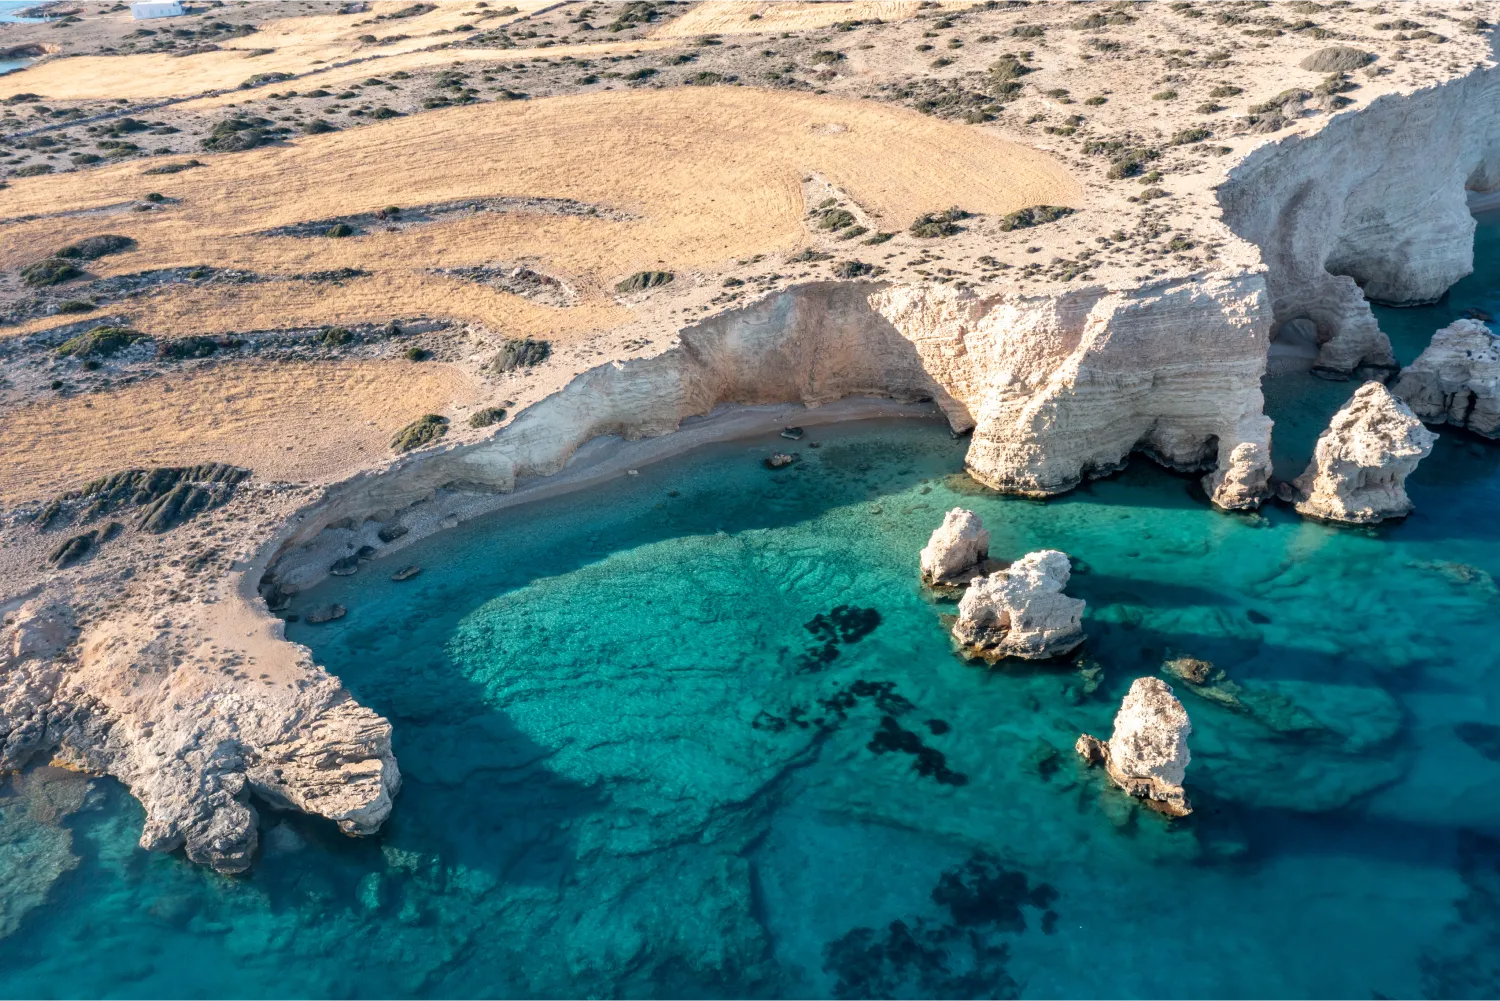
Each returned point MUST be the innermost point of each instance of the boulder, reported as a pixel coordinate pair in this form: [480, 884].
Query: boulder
[1021, 611]
[40, 628]
[955, 551]
[1148, 754]
[1360, 465]
[1456, 379]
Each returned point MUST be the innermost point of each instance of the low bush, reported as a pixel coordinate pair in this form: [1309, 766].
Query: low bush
[1187, 136]
[318, 126]
[1036, 215]
[335, 337]
[520, 353]
[75, 306]
[261, 79]
[836, 219]
[415, 353]
[50, 271]
[642, 280]
[339, 230]
[1337, 59]
[172, 168]
[101, 342]
[486, 417]
[196, 346]
[423, 431]
[935, 224]
[852, 269]
[94, 247]
[33, 170]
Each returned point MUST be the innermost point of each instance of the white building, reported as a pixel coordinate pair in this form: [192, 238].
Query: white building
[156, 8]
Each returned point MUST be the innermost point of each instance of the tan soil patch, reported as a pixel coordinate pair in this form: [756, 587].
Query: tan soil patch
[714, 174]
[316, 422]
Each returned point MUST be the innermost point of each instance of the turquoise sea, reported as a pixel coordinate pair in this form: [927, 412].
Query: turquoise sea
[698, 733]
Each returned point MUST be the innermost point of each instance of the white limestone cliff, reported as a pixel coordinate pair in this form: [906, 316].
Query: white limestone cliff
[193, 740]
[1065, 387]
[1370, 207]
[1456, 379]
[957, 547]
[1021, 611]
[1361, 462]
[1147, 755]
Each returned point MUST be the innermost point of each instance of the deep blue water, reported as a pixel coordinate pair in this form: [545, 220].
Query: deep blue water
[598, 704]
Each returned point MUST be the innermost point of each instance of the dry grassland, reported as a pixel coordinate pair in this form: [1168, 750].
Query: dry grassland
[337, 417]
[732, 17]
[301, 45]
[713, 174]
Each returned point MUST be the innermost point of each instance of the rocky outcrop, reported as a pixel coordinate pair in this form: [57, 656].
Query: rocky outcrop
[1456, 379]
[1147, 755]
[957, 548]
[1360, 464]
[197, 742]
[1337, 226]
[1060, 388]
[1021, 611]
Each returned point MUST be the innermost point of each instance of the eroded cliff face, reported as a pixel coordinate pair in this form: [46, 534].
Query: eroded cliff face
[1373, 207]
[1056, 388]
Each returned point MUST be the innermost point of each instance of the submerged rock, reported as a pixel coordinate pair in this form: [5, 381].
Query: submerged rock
[1021, 611]
[957, 547]
[1359, 468]
[326, 614]
[406, 572]
[780, 459]
[1148, 754]
[1456, 379]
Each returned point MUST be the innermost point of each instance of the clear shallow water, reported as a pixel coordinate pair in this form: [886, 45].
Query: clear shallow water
[608, 792]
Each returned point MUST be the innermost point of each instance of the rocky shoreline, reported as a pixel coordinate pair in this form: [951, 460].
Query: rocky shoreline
[182, 685]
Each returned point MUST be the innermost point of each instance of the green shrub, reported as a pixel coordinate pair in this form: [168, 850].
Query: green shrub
[1226, 90]
[877, 239]
[1164, 95]
[644, 73]
[836, 219]
[1094, 102]
[318, 126]
[261, 79]
[642, 280]
[335, 337]
[33, 170]
[852, 269]
[196, 346]
[1028, 31]
[415, 353]
[1337, 59]
[935, 224]
[1036, 215]
[101, 342]
[94, 247]
[826, 57]
[237, 133]
[172, 168]
[75, 306]
[50, 271]
[381, 113]
[484, 418]
[521, 353]
[1191, 136]
[423, 431]
[339, 230]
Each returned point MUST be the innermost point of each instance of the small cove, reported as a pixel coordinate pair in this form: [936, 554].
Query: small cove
[640, 733]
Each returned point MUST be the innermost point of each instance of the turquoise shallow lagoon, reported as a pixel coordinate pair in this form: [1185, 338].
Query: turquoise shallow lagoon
[699, 733]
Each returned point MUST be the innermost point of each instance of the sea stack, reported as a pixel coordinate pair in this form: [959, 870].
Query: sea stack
[1021, 611]
[1148, 754]
[955, 551]
[1360, 465]
[1456, 379]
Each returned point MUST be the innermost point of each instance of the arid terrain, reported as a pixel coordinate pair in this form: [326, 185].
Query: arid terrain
[397, 260]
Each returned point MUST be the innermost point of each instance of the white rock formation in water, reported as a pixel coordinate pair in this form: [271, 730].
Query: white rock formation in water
[957, 547]
[1360, 464]
[1147, 755]
[1021, 611]
[1456, 379]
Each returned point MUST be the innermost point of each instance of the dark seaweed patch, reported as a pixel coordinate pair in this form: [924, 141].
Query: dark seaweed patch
[844, 624]
[930, 762]
[961, 957]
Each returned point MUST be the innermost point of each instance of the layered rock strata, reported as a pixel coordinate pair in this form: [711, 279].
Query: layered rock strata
[1361, 462]
[150, 707]
[1372, 207]
[1021, 611]
[957, 548]
[1456, 379]
[1147, 755]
